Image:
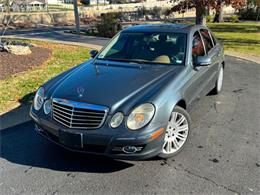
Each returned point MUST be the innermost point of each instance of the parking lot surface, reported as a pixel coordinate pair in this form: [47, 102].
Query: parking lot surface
[222, 156]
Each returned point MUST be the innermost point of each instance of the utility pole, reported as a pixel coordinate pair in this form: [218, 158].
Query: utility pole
[76, 14]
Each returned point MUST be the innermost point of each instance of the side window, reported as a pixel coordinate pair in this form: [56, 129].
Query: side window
[197, 45]
[213, 38]
[207, 39]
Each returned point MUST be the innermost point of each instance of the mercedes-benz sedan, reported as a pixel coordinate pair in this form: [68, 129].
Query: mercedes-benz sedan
[131, 100]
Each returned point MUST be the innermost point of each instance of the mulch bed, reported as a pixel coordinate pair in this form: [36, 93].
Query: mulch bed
[11, 64]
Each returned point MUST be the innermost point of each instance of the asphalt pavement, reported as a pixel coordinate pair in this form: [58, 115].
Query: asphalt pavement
[58, 34]
[222, 156]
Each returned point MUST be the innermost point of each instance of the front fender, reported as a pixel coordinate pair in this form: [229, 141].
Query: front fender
[164, 107]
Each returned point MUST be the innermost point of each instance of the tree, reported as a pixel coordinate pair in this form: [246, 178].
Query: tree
[251, 11]
[218, 6]
[202, 7]
[109, 25]
[199, 5]
[76, 14]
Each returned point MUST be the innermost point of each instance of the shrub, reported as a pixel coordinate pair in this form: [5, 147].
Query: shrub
[249, 14]
[209, 18]
[85, 2]
[109, 25]
[234, 19]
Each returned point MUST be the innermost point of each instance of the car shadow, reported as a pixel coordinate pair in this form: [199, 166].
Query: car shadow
[21, 145]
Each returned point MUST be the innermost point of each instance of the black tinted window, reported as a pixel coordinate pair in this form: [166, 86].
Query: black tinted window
[213, 38]
[197, 45]
[207, 39]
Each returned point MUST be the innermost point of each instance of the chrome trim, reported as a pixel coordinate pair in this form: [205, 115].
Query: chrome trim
[65, 115]
[81, 140]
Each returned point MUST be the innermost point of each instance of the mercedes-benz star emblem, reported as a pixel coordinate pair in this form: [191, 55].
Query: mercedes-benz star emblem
[80, 91]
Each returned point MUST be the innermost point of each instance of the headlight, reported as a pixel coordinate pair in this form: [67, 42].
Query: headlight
[47, 106]
[38, 99]
[116, 120]
[140, 116]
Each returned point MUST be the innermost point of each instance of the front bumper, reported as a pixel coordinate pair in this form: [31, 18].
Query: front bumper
[104, 141]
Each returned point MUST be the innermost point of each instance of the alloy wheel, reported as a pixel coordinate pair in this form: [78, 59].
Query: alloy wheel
[176, 133]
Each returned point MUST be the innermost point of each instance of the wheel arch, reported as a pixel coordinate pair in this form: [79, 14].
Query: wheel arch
[182, 103]
[223, 64]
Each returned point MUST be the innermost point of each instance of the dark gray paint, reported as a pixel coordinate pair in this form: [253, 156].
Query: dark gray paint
[121, 87]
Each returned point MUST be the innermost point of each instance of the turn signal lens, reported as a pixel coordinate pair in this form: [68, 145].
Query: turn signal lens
[157, 133]
[139, 118]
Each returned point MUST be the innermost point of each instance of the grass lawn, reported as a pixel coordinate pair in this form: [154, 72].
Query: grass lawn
[239, 37]
[21, 87]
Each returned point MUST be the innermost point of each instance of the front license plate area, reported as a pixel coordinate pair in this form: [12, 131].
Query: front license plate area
[72, 140]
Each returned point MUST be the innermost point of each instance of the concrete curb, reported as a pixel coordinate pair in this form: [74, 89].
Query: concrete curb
[243, 56]
[91, 46]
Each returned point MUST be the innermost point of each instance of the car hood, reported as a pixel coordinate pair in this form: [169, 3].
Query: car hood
[111, 84]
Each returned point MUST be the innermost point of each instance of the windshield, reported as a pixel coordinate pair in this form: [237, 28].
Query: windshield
[151, 48]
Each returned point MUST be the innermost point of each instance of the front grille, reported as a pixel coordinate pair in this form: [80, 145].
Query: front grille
[78, 114]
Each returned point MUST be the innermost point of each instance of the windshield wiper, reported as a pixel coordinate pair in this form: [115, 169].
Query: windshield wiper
[137, 61]
[127, 60]
[115, 59]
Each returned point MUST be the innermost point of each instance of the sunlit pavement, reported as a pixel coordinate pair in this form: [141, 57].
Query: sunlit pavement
[222, 156]
[57, 34]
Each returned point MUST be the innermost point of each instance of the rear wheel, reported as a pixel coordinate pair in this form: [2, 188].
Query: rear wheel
[177, 133]
[219, 82]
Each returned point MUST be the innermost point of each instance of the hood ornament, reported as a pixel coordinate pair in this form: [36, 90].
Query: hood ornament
[80, 91]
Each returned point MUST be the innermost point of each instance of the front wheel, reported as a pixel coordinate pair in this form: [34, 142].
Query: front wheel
[177, 133]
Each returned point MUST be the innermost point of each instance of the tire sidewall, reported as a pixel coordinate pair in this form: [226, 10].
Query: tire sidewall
[219, 90]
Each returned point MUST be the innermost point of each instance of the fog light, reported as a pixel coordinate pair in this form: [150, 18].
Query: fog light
[47, 107]
[131, 149]
[37, 128]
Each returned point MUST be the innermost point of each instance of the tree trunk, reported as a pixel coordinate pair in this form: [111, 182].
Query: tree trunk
[219, 14]
[76, 14]
[8, 6]
[200, 14]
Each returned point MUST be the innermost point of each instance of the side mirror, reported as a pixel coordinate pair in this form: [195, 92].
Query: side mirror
[93, 53]
[202, 61]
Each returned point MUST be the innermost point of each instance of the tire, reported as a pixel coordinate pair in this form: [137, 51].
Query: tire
[219, 82]
[173, 137]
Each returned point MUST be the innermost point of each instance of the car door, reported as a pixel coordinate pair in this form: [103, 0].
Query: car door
[194, 85]
[209, 72]
[201, 78]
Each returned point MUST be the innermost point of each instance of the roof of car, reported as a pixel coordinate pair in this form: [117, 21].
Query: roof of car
[184, 28]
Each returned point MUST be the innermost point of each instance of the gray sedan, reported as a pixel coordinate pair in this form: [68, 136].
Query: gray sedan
[131, 100]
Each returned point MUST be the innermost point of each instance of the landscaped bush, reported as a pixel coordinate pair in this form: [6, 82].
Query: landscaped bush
[109, 25]
[209, 18]
[234, 19]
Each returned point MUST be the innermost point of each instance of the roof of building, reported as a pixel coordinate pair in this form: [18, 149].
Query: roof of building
[23, 2]
[36, 3]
